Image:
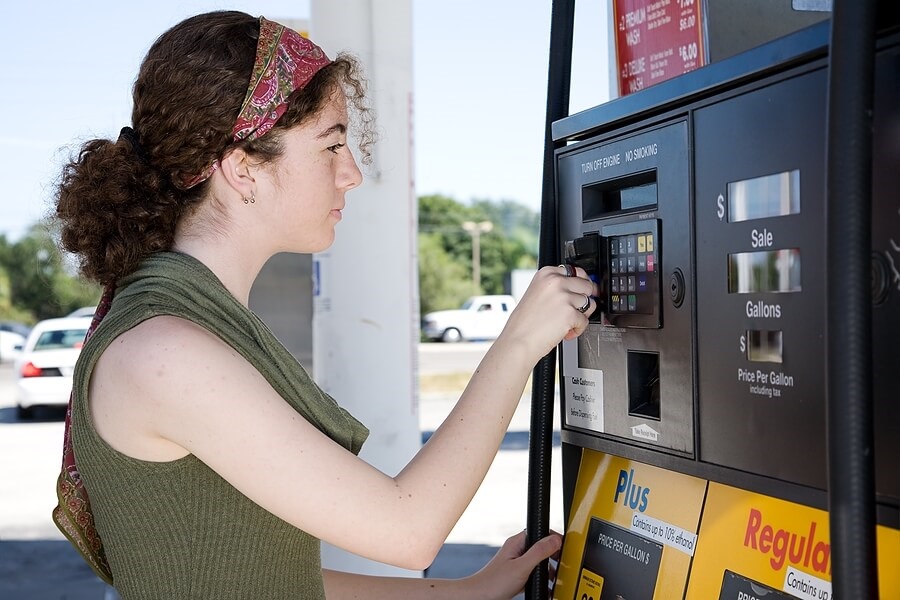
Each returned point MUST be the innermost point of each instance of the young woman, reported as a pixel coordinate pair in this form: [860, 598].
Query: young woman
[214, 464]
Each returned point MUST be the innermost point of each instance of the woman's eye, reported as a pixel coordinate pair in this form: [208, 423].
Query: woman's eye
[335, 148]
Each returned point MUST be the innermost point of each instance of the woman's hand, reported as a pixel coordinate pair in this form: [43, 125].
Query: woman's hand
[551, 309]
[501, 579]
[506, 574]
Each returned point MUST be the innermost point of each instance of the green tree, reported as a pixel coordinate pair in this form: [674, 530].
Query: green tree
[441, 218]
[517, 222]
[443, 282]
[8, 311]
[40, 284]
[512, 244]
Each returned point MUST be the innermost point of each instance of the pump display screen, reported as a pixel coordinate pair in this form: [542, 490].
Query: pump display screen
[764, 346]
[769, 196]
[639, 196]
[765, 271]
[634, 192]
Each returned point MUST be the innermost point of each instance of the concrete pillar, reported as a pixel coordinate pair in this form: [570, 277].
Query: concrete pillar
[365, 303]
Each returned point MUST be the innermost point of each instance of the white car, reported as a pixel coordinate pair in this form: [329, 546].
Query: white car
[44, 367]
[479, 318]
[10, 341]
[84, 311]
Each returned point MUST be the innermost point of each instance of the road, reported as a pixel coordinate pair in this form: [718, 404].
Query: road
[30, 459]
[439, 359]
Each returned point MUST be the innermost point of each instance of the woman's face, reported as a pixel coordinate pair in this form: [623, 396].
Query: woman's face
[307, 183]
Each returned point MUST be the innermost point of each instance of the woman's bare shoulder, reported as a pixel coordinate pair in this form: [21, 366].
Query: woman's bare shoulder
[153, 375]
[162, 341]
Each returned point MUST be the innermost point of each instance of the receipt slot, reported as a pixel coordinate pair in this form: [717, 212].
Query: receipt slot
[693, 409]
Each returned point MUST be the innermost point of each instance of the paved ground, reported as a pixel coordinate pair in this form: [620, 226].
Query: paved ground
[36, 563]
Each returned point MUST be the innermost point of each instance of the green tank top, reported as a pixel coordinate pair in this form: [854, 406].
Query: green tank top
[176, 530]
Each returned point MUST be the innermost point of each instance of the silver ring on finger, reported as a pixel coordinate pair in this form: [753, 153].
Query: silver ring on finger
[587, 304]
[570, 270]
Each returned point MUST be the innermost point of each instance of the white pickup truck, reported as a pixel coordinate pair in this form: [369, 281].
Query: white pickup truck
[480, 318]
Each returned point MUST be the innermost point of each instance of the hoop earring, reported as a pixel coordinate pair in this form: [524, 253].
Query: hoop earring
[251, 199]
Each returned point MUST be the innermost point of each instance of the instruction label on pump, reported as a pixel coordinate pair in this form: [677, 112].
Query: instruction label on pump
[590, 585]
[583, 402]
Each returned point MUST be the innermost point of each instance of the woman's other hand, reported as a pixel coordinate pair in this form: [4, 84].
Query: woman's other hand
[507, 572]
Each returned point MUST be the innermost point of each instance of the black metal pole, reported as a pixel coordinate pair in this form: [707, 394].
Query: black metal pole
[851, 470]
[540, 443]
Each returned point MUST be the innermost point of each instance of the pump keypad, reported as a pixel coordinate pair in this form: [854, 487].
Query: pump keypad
[632, 273]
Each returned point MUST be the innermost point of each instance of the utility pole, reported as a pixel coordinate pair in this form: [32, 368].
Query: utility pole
[475, 230]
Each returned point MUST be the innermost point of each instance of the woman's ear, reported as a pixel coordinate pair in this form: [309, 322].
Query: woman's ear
[237, 172]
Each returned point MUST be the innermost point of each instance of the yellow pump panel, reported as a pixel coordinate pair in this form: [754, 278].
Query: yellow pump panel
[643, 523]
[639, 531]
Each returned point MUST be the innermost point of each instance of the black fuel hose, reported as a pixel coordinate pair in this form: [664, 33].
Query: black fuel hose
[540, 441]
[851, 470]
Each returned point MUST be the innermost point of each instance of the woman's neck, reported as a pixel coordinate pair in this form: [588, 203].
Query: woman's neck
[232, 261]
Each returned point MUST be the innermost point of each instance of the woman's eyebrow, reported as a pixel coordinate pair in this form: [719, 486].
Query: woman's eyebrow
[337, 127]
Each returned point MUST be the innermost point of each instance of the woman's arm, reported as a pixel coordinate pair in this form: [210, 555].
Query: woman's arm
[502, 578]
[168, 387]
[349, 586]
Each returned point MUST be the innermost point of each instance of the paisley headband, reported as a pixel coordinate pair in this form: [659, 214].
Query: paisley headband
[285, 62]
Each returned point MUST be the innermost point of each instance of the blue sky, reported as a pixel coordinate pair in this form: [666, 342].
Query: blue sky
[479, 88]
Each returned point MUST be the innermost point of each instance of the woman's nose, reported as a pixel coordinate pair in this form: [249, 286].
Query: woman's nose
[349, 176]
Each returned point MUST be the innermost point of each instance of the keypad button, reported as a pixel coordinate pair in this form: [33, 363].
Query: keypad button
[650, 263]
[631, 283]
[632, 265]
[614, 284]
[632, 303]
[642, 263]
[650, 242]
[642, 243]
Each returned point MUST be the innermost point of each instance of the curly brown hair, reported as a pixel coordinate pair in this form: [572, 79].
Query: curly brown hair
[118, 202]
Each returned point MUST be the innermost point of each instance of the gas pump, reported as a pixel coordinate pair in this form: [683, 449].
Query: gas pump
[694, 411]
